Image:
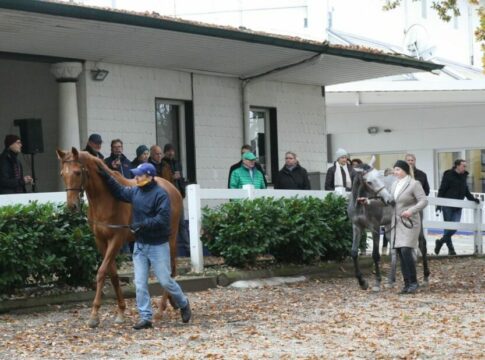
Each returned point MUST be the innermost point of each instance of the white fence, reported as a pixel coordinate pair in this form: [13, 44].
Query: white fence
[195, 194]
[472, 218]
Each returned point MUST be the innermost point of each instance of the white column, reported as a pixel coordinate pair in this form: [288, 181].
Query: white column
[195, 223]
[66, 75]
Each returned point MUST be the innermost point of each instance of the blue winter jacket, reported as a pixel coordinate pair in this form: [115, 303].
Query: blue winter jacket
[151, 210]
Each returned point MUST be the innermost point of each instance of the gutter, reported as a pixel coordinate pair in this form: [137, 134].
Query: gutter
[126, 18]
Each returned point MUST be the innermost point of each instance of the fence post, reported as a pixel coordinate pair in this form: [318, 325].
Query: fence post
[195, 219]
[250, 189]
[478, 239]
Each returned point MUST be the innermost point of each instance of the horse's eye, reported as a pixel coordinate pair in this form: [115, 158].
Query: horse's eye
[77, 172]
[369, 182]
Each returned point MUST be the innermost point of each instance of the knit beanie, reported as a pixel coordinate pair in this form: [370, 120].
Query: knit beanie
[341, 152]
[10, 139]
[402, 165]
[141, 149]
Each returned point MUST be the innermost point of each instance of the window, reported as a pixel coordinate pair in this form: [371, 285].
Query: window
[263, 139]
[175, 125]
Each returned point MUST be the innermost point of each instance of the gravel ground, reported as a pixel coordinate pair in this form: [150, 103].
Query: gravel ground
[309, 320]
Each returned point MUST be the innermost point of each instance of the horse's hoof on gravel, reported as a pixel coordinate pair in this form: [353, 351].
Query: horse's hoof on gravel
[364, 285]
[425, 283]
[120, 319]
[390, 285]
[376, 288]
[158, 315]
[93, 322]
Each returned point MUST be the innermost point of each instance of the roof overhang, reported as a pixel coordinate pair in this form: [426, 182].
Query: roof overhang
[51, 31]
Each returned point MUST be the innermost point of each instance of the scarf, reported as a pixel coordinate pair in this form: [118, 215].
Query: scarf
[399, 186]
[338, 178]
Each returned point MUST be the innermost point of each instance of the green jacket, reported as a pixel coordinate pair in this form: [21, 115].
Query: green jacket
[241, 176]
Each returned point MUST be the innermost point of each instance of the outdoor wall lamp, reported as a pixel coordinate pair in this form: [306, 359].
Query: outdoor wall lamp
[373, 130]
[99, 74]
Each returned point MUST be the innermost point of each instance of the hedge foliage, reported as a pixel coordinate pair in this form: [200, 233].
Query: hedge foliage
[45, 243]
[295, 230]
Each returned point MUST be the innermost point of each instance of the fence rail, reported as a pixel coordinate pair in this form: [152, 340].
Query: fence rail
[472, 218]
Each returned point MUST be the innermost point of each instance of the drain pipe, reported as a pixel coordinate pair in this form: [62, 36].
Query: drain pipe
[245, 110]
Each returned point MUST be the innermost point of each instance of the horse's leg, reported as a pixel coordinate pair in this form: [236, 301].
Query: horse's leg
[109, 255]
[424, 253]
[391, 280]
[376, 257]
[115, 281]
[357, 233]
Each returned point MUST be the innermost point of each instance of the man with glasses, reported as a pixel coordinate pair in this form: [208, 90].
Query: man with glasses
[117, 160]
[453, 186]
[12, 179]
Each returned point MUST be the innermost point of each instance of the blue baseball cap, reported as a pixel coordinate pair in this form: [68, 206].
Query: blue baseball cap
[144, 169]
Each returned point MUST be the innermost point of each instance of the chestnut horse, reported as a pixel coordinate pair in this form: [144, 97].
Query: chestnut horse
[109, 219]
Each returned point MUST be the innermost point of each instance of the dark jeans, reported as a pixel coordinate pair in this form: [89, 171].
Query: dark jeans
[450, 214]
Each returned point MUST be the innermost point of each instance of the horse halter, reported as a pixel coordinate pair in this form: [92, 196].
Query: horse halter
[80, 189]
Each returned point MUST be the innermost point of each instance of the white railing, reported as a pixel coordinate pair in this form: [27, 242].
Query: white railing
[472, 218]
[195, 194]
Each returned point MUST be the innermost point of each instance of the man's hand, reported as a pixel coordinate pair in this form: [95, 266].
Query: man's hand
[477, 200]
[28, 179]
[438, 210]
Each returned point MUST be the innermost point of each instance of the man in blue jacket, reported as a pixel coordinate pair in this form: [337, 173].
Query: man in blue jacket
[151, 226]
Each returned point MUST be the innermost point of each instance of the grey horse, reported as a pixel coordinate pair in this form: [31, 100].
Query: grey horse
[370, 207]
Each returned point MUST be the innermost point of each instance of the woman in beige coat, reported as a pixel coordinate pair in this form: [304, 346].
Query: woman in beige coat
[410, 199]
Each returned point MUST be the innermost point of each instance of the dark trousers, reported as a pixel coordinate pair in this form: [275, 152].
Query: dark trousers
[450, 214]
[408, 265]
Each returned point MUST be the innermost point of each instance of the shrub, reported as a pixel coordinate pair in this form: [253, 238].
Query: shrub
[45, 243]
[297, 230]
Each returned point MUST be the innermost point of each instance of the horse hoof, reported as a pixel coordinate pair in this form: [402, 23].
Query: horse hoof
[390, 285]
[425, 283]
[93, 322]
[376, 288]
[364, 285]
[120, 319]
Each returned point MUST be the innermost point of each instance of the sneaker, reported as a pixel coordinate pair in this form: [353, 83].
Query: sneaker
[143, 324]
[413, 288]
[451, 252]
[186, 313]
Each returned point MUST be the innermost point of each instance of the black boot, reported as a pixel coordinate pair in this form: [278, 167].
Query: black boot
[438, 244]
[451, 249]
[405, 272]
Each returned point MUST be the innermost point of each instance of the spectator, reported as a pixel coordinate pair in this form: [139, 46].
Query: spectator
[410, 200]
[244, 149]
[117, 160]
[12, 179]
[356, 162]
[175, 167]
[292, 176]
[142, 154]
[418, 174]
[94, 145]
[151, 226]
[247, 173]
[155, 159]
[453, 186]
[342, 177]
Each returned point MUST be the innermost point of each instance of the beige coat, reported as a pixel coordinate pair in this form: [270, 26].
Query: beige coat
[412, 198]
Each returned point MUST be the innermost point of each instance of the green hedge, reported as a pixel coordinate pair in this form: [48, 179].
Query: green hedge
[45, 243]
[296, 230]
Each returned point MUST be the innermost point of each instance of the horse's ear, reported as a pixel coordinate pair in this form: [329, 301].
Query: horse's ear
[75, 153]
[372, 161]
[60, 154]
[358, 169]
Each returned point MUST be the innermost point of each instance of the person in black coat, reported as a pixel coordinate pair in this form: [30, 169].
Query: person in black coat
[453, 186]
[292, 176]
[94, 146]
[344, 176]
[12, 179]
[244, 149]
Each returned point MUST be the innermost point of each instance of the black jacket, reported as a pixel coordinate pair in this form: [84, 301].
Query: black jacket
[174, 166]
[296, 179]
[423, 179]
[454, 186]
[9, 183]
[238, 165]
[124, 168]
[330, 178]
[94, 152]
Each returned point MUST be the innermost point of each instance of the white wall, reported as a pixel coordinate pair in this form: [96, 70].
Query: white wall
[418, 128]
[29, 90]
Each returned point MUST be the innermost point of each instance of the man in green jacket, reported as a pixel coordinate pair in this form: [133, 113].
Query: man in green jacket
[247, 174]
